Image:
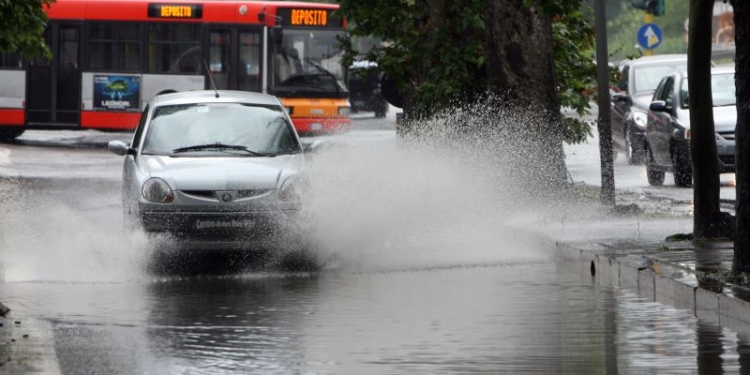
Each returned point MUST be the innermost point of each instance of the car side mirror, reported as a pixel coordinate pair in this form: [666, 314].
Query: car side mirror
[620, 97]
[120, 148]
[311, 147]
[659, 106]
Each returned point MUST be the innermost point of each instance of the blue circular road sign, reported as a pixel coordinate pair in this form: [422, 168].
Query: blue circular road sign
[649, 36]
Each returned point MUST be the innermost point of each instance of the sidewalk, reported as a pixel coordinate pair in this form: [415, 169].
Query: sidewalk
[680, 274]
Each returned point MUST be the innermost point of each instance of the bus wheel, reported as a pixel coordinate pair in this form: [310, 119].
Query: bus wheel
[10, 133]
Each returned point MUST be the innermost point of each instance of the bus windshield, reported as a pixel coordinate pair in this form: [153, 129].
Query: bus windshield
[308, 59]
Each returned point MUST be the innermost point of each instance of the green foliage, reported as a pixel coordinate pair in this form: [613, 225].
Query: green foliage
[22, 26]
[435, 57]
[440, 61]
[575, 69]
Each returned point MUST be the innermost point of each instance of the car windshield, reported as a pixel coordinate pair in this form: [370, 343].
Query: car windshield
[647, 77]
[220, 129]
[722, 90]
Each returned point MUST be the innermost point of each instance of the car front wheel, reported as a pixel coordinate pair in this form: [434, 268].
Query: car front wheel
[683, 171]
[636, 154]
[655, 177]
[9, 133]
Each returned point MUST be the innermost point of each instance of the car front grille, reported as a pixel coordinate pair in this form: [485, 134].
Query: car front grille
[727, 159]
[215, 195]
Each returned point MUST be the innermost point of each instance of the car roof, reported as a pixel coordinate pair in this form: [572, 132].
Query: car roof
[213, 96]
[724, 69]
[645, 60]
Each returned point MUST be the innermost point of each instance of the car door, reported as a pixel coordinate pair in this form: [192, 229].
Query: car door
[660, 125]
[620, 107]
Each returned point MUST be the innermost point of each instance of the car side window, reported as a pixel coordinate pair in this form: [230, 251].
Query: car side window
[139, 130]
[623, 84]
[669, 91]
[659, 93]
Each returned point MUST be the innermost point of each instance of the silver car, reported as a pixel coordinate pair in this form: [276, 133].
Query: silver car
[668, 126]
[218, 168]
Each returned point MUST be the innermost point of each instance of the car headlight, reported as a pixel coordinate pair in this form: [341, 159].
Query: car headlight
[640, 119]
[344, 111]
[157, 190]
[289, 192]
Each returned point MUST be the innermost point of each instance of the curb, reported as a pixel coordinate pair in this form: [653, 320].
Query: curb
[667, 283]
[27, 347]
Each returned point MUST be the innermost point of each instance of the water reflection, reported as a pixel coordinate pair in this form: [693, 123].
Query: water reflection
[528, 318]
[234, 324]
[710, 349]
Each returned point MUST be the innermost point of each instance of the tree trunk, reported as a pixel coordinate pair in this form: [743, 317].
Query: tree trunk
[742, 138]
[521, 74]
[703, 139]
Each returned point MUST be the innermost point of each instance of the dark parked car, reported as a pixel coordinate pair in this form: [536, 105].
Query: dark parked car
[668, 127]
[364, 88]
[632, 96]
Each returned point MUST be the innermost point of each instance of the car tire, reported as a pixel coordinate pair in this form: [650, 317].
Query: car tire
[655, 177]
[635, 156]
[380, 110]
[683, 171]
[10, 133]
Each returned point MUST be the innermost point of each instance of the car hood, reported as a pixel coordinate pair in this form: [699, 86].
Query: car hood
[223, 173]
[643, 100]
[725, 118]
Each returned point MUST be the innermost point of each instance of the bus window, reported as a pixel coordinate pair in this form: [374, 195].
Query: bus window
[174, 48]
[114, 46]
[250, 61]
[220, 57]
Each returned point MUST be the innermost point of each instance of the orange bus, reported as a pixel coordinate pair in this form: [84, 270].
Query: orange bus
[109, 57]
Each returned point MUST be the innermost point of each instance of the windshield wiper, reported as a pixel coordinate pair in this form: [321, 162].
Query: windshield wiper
[328, 73]
[216, 146]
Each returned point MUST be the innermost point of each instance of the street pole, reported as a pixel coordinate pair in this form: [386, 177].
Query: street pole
[607, 194]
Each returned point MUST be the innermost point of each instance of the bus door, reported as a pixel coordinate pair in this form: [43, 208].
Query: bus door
[234, 58]
[53, 92]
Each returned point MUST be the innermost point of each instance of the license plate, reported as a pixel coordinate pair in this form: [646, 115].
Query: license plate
[212, 224]
[316, 126]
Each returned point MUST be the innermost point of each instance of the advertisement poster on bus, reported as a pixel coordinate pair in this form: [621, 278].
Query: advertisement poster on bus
[117, 92]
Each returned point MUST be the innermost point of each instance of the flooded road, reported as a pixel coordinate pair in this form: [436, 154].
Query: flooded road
[538, 317]
[461, 287]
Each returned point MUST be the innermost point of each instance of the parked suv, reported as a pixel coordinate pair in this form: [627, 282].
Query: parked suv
[632, 97]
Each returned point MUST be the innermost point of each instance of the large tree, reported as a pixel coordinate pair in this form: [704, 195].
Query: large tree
[435, 51]
[22, 25]
[521, 72]
[703, 141]
[531, 55]
[741, 262]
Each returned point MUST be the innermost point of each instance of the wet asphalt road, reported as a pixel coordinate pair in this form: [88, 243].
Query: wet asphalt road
[468, 288]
